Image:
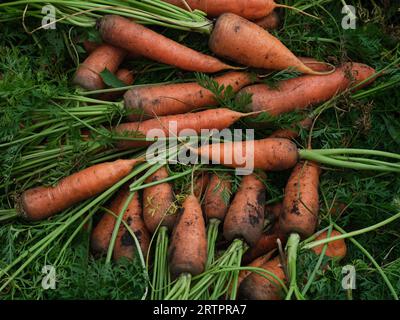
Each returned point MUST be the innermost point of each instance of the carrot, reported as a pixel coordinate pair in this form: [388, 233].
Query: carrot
[126, 76]
[42, 202]
[270, 154]
[158, 202]
[216, 199]
[188, 249]
[209, 119]
[90, 46]
[105, 56]
[302, 92]
[269, 22]
[293, 132]
[131, 36]
[245, 42]
[161, 100]
[245, 217]
[300, 203]
[335, 249]
[201, 184]
[257, 287]
[273, 212]
[125, 244]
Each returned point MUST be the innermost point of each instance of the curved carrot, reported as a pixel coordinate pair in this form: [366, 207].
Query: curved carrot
[158, 202]
[188, 249]
[126, 76]
[245, 216]
[301, 201]
[302, 92]
[42, 202]
[88, 73]
[335, 249]
[242, 41]
[161, 100]
[131, 36]
[216, 199]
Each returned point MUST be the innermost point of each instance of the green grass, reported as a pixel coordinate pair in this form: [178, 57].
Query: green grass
[36, 69]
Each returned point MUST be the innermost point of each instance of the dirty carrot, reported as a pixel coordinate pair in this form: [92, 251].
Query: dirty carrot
[335, 249]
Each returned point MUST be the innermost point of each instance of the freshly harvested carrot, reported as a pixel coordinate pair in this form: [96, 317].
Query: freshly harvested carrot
[293, 132]
[42, 202]
[134, 37]
[269, 22]
[244, 42]
[125, 244]
[158, 202]
[161, 100]
[273, 212]
[257, 287]
[105, 56]
[216, 199]
[301, 201]
[126, 76]
[201, 184]
[270, 154]
[335, 249]
[245, 217]
[302, 92]
[188, 249]
[90, 46]
[219, 119]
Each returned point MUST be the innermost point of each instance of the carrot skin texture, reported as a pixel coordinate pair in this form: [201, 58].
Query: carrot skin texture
[302, 92]
[161, 100]
[245, 216]
[335, 249]
[88, 73]
[42, 202]
[90, 46]
[244, 42]
[219, 119]
[188, 250]
[301, 200]
[269, 154]
[126, 77]
[256, 287]
[215, 205]
[157, 201]
[250, 9]
[293, 132]
[269, 22]
[201, 184]
[129, 35]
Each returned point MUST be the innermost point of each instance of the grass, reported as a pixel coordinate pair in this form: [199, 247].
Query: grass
[35, 73]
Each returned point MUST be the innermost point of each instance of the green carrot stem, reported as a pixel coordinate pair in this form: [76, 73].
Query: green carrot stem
[212, 234]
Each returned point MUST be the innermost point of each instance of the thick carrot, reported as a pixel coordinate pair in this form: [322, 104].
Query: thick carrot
[242, 41]
[209, 119]
[161, 100]
[42, 202]
[257, 287]
[201, 184]
[125, 244]
[216, 199]
[131, 36]
[158, 202]
[245, 217]
[188, 249]
[301, 201]
[126, 76]
[293, 132]
[302, 92]
[269, 22]
[270, 154]
[335, 249]
[105, 56]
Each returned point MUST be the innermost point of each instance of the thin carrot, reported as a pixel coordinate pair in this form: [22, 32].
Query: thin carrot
[244, 42]
[293, 132]
[335, 249]
[104, 57]
[90, 46]
[161, 100]
[42, 202]
[269, 22]
[126, 76]
[245, 217]
[216, 199]
[201, 184]
[134, 37]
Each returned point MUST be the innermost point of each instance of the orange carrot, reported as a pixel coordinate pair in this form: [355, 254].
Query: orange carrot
[90, 46]
[270, 154]
[302, 92]
[129, 35]
[335, 249]
[300, 203]
[293, 132]
[88, 73]
[42, 202]
[201, 184]
[257, 287]
[245, 42]
[158, 202]
[269, 22]
[188, 249]
[273, 212]
[245, 216]
[216, 199]
[161, 100]
[126, 77]
[209, 119]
